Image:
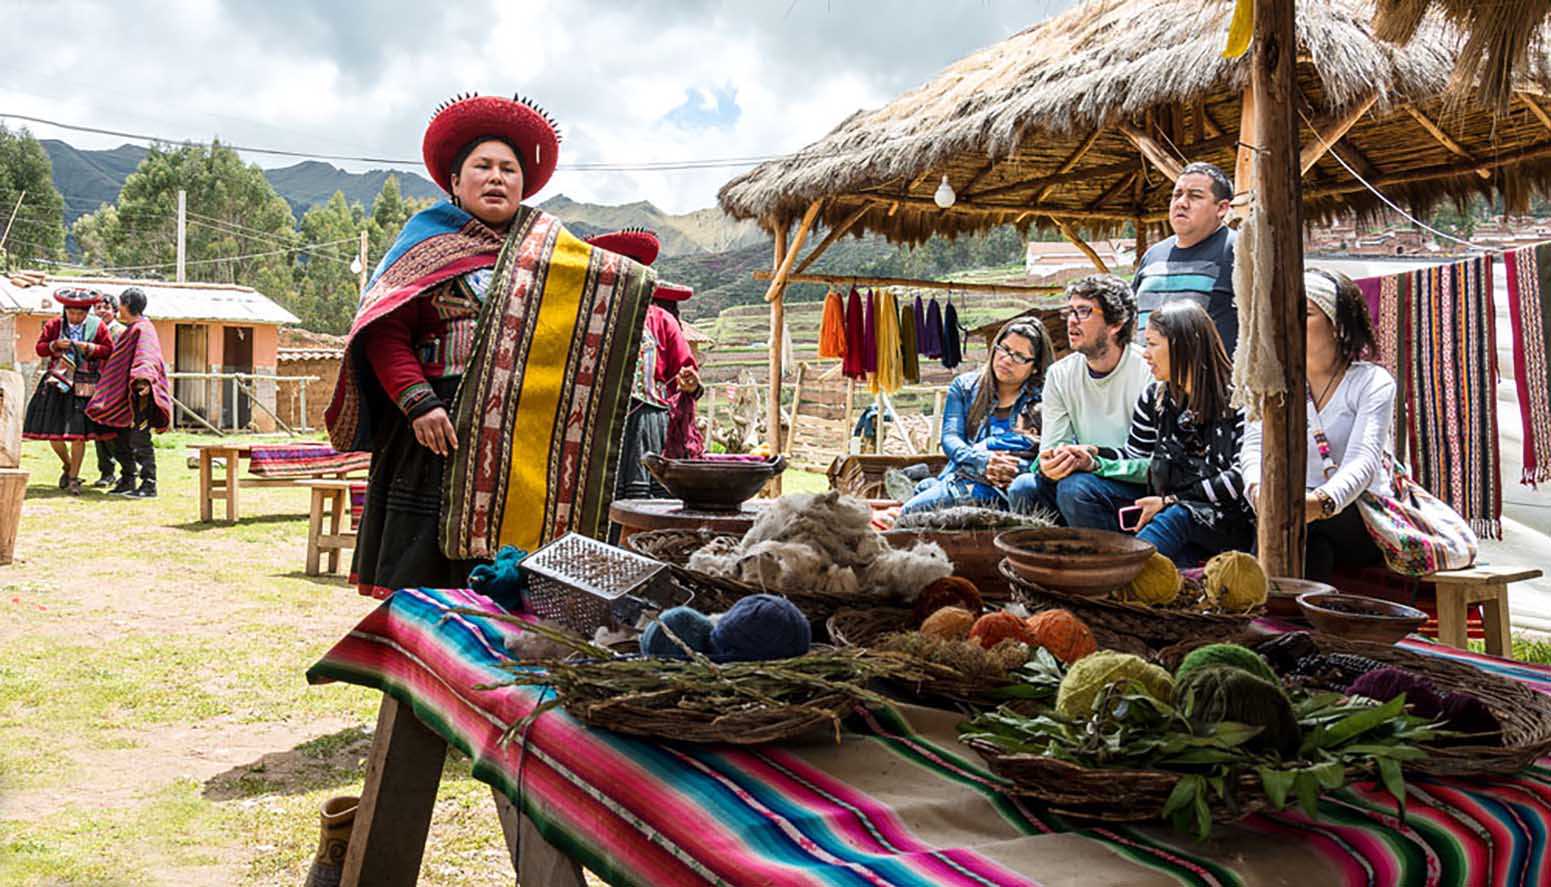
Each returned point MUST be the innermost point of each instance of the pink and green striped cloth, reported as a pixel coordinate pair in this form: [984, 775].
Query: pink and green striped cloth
[898, 801]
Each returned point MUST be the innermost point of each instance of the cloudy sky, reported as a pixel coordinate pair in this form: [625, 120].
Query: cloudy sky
[630, 81]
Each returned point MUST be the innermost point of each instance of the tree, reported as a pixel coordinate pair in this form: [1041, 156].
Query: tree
[239, 230]
[26, 174]
[326, 289]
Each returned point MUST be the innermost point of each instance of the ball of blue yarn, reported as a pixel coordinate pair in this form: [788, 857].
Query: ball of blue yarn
[692, 627]
[759, 627]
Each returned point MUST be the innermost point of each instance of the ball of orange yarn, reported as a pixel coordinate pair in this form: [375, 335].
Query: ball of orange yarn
[950, 591]
[949, 624]
[1064, 635]
[993, 628]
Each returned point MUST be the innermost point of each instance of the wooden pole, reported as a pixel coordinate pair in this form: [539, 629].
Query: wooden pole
[790, 442]
[789, 253]
[361, 257]
[834, 234]
[1327, 132]
[1273, 85]
[182, 234]
[910, 282]
[1070, 233]
[1141, 243]
[777, 319]
[12, 220]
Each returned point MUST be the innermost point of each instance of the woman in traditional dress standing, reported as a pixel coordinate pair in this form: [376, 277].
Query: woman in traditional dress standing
[73, 346]
[485, 369]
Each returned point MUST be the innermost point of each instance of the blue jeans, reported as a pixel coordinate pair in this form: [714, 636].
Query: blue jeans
[1080, 498]
[1187, 542]
[934, 493]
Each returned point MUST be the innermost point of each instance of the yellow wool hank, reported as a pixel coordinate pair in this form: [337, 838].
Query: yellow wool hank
[1240, 30]
[890, 376]
[522, 524]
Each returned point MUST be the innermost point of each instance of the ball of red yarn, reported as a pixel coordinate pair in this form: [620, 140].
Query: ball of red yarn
[950, 591]
[993, 628]
[1063, 634]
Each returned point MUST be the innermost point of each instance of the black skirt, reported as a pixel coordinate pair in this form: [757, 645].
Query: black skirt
[646, 431]
[60, 415]
[397, 540]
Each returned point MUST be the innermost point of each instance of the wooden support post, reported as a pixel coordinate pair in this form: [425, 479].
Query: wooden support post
[934, 440]
[1328, 132]
[1070, 233]
[877, 424]
[1153, 152]
[850, 410]
[1443, 138]
[1273, 85]
[1141, 243]
[1248, 141]
[791, 437]
[789, 252]
[777, 320]
[402, 775]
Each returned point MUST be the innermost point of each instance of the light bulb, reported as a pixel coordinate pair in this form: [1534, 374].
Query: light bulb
[944, 195]
[355, 265]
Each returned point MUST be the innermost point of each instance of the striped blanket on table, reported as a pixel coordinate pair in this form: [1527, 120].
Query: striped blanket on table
[304, 461]
[899, 801]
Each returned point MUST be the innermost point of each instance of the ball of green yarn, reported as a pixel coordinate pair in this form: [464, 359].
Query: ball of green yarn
[1089, 675]
[1231, 655]
[1220, 693]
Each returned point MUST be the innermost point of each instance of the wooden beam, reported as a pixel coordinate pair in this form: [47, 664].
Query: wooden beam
[1273, 83]
[1141, 243]
[1213, 128]
[789, 251]
[1070, 162]
[834, 234]
[1113, 190]
[1070, 233]
[1329, 131]
[1152, 151]
[1005, 209]
[1249, 141]
[1541, 151]
[1344, 150]
[1049, 181]
[1443, 138]
[977, 177]
[1534, 108]
[915, 283]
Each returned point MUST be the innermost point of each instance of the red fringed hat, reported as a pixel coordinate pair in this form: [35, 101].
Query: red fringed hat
[77, 297]
[632, 243]
[672, 292]
[463, 119]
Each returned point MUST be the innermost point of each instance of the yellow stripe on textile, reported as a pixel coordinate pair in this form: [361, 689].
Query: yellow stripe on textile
[890, 375]
[522, 519]
[1241, 29]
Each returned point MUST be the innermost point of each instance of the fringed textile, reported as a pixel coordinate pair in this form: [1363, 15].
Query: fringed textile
[1528, 291]
[832, 329]
[301, 460]
[1257, 373]
[137, 357]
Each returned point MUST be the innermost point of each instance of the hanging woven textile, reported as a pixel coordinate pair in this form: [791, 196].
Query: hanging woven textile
[907, 342]
[890, 375]
[1257, 374]
[920, 321]
[851, 364]
[870, 332]
[952, 352]
[832, 329]
[1529, 288]
[1450, 365]
[931, 334]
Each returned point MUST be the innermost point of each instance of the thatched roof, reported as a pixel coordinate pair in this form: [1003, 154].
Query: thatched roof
[1499, 36]
[1034, 126]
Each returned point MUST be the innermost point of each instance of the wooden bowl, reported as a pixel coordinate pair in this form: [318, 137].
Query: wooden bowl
[973, 553]
[1359, 618]
[712, 485]
[1075, 561]
[1282, 597]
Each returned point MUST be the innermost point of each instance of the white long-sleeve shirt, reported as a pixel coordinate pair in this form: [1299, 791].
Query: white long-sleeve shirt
[1081, 409]
[1359, 422]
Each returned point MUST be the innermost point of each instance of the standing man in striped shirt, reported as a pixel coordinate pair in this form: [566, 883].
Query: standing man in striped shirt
[1197, 262]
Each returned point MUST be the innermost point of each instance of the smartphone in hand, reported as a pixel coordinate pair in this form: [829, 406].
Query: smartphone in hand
[1129, 517]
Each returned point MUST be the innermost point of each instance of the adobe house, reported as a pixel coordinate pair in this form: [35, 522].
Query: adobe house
[203, 327]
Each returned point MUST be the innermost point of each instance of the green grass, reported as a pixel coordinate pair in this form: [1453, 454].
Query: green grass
[1525, 649]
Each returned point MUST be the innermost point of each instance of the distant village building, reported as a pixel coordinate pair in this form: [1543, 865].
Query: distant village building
[1056, 262]
[203, 327]
[307, 354]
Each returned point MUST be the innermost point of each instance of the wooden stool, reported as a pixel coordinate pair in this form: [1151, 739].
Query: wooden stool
[1484, 585]
[331, 501]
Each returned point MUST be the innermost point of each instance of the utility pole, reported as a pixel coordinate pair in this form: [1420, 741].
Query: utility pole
[12, 220]
[361, 257]
[182, 231]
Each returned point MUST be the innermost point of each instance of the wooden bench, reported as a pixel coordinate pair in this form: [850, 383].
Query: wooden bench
[331, 506]
[212, 487]
[1486, 585]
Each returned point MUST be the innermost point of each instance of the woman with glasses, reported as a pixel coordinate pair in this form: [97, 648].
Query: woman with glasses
[990, 423]
[1184, 443]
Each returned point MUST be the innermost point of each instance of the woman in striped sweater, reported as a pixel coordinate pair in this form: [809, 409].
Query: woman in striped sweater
[1184, 442]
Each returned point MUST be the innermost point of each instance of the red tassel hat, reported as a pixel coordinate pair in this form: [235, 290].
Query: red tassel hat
[76, 297]
[520, 122]
[672, 292]
[632, 243]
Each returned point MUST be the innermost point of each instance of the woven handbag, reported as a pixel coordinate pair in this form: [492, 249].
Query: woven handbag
[1418, 533]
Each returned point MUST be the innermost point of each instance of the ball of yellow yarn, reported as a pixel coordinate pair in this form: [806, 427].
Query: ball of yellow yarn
[1091, 674]
[949, 623]
[1158, 583]
[1235, 581]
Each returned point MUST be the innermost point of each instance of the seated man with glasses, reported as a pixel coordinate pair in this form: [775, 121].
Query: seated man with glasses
[1089, 398]
[990, 423]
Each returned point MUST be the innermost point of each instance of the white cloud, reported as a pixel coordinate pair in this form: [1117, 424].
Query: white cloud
[362, 78]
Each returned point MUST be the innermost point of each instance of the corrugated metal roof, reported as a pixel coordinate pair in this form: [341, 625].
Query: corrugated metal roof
[289, 354]
[164, 300]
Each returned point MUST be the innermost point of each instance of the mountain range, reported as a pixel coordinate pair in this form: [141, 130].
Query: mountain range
[88, 179]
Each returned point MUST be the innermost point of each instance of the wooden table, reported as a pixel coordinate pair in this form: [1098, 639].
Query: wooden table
[637, 515]
[1486, 585]
[330, 503]
[212, 487]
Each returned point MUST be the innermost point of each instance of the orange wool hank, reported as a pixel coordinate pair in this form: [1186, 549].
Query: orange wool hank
[832, 329]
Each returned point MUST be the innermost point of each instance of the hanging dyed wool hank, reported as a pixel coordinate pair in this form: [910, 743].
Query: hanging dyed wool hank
[907, 343]
[832, 329]
[889, 376]
[1529, 286]
[1451, 373]
[952, 352]
[920, 318]
[870, 332]
[931, 334]
[852, 365]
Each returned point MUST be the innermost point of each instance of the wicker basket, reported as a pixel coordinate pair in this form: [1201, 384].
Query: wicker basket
[630, 714]
[1157, 627]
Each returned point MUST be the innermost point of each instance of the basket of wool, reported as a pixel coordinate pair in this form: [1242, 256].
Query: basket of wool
[761, 627]
[1230, 655]
[1092, 675]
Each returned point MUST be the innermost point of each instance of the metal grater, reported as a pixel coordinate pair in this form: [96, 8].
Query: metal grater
[585, 584]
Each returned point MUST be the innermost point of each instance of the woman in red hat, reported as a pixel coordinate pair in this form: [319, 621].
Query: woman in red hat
[666, 374]
[72, 346]
[485, 366]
